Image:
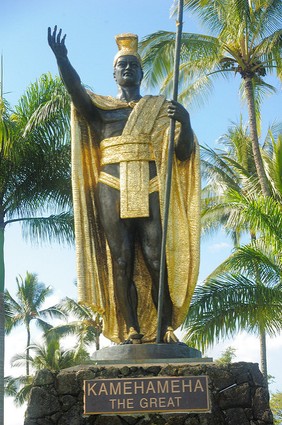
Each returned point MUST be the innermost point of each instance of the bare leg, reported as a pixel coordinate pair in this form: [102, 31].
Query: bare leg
[120, 234]
[150, 234]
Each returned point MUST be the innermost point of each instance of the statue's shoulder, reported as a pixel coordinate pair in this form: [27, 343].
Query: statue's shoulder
[154, 99]
[106, 102]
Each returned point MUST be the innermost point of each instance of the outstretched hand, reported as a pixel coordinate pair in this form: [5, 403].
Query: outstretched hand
[177, 112]
[56, 43]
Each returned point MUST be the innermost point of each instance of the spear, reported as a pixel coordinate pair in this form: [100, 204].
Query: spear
[1, 76]
[169, 168]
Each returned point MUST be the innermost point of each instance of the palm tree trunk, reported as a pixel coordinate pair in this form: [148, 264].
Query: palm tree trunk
[262, 334]
[97, 342]
[2, 324]
[27, 350]
[254, 136]
[263, 360]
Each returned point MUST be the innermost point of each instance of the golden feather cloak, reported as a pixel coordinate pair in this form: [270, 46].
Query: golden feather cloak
[94, 263]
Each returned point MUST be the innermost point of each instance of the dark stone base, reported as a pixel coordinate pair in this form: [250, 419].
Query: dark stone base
[237, 394]
[146, 353]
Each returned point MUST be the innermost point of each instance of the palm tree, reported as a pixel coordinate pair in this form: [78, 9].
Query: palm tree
[245, 38]
[231, 201]
[276, 407]
[230, 171]
[87, 326]
[227, 171]
[31, 295]
[48, 355]
[35, 187]
[244, 292]
[51, 355]
[19, 388]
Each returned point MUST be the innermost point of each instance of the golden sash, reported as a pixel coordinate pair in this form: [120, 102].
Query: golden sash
[133, 151]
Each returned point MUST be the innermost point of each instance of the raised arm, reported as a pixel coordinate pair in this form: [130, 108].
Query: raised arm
[185, 144]
[70, 77]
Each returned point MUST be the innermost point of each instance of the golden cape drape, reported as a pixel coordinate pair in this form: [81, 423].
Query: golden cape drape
[94, 263]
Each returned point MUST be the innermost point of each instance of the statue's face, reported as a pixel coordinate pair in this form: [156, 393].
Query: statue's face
[128, 71]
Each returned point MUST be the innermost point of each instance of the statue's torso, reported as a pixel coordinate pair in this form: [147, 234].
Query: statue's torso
[113, 122]
[111, 125]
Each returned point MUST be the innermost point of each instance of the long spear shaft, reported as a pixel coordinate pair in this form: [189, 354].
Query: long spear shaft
[1, 76]
[169, 170]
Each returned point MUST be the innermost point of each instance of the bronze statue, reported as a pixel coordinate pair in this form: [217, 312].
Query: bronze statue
[118, 174]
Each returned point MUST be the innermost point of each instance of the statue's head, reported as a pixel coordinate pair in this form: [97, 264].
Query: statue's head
[127, 62]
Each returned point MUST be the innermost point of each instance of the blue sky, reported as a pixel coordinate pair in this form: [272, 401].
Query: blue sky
[90, 26]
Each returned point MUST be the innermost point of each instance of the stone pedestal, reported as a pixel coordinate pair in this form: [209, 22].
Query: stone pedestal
[237, 395]
[147, 353]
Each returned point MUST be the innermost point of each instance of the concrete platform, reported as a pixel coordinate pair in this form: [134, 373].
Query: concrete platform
[148, 353]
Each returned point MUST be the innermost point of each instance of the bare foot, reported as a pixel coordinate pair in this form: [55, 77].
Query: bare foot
[169, 336]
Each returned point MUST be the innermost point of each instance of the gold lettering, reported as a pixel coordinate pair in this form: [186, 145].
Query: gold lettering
[178, 401]
[138, 387]
[162, 402]
[154, 402]
[125, 403]
[170, 402]
[198, 386]
[150, 387]
[121, 403]
[90, 389]
[184, 386]
[127, 387]
[162, 388]
[103, 389]
[130, 404]
[113, 401]
[115, 388]
[144, 403]
[175, 386]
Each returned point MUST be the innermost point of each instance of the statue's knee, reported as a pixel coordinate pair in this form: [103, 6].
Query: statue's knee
[121, 263]
[154, 264]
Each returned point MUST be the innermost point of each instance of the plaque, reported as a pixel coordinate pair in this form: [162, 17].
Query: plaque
[146, 395]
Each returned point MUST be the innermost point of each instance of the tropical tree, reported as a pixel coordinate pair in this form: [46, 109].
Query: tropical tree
[245, 38]
[48, 355]
[51, 355]
[227, 356]
[226, 170]
[231, 186]
[87, 326]
[245, 291]
[276, 407]
[19, 388]
[27, 307]
[35, 188]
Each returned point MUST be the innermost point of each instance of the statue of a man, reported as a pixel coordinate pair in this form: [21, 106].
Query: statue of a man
[119, 153]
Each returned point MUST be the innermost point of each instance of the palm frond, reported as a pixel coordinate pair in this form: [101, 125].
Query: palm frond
[57, 228]
[228, 304]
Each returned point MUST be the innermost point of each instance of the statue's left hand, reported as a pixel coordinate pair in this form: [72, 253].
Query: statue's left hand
[177, 112]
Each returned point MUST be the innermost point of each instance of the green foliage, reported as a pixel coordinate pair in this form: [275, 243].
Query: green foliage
[242, 39]
[49, 355]
[35, 173]
[227, 356]
[244, 292]
[87, 326]
[276, 407]
[19, 388]
[35, 161]
[27, 306]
